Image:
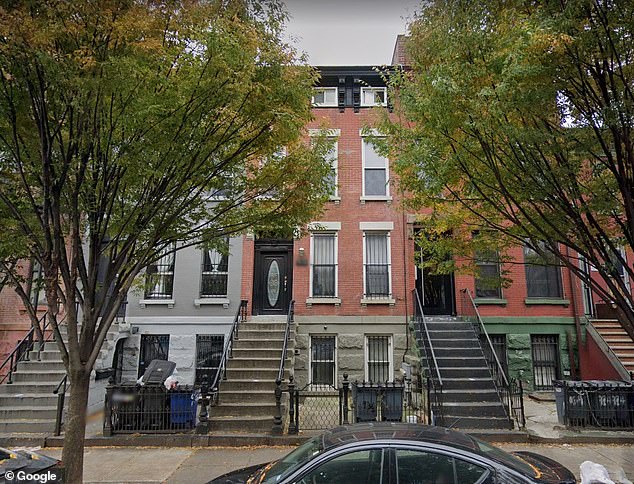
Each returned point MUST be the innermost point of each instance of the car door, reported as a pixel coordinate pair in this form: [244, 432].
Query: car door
[426, 466]
[360, 466]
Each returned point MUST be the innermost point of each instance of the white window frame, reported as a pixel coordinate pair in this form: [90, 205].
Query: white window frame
[389, 257]
[366, 357]
[335, 233]
[365, 197]
[373, 89]
[310, 359]
[324, 104]
[332, 135]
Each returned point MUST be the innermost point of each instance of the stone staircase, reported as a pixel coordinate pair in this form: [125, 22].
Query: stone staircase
[246, 401]
[470, 400]
[617, 339]
[28, 405]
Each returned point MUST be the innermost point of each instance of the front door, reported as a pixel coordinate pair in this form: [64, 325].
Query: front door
[272, 283]
[436, 292]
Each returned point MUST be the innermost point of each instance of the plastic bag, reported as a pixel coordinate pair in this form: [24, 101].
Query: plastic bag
[593, 473]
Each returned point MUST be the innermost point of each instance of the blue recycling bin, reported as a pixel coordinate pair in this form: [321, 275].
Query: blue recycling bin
[183, 408]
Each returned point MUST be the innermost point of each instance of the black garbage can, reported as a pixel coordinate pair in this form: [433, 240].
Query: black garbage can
[577, 409]
[392, 404]
[365, 403]
[560, 401]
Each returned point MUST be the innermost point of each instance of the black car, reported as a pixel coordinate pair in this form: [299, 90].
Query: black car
[398, 453]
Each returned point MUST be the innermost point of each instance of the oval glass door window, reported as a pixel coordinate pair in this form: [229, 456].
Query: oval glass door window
[273, 283]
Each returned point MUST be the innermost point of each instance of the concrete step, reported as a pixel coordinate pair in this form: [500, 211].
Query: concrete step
[460, 362]
[244, 396]
[257, 353]
[244, 343]
[22, 388]
[268, 374]
[455, 343]
[263, 363]
[28, 400]
[607, 325]
[257, 409]
[250, 385]
[24, 376]
[468, 383]
[261, 334]
[471, 395]
[474, 409]
[623, 347]
[262, 326]
[19, 425]
[41, 365]
[613, 332]
[241, 424]
[458, 352]
[465, 423]
[49, 354]
[449, 326]
[44, 412]
[465, 372]
[610, 339]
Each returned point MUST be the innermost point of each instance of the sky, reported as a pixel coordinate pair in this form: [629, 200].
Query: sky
[348, 32]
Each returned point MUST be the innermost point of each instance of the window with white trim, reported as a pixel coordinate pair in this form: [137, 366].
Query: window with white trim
[543, 274]
[322, 360]
[378, 358]
[373, 96]
[332, 157]
[324, 97]
[375, 171]
[323, 262]
[215, 273]
[159, 276]
[377, 269]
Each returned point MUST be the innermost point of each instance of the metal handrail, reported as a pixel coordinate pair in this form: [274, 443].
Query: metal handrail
[14, 358]
[434, 382]
[290, 318]
[240, 316]
[61, 398]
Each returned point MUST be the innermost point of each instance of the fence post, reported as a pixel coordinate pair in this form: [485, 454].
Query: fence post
[107, 420]
[346, 392]
[429, 422]
[523, 418]
[203, 419]
[277, 418]
[293, 417]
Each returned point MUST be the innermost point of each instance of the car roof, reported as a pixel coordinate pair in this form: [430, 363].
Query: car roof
[397, 431]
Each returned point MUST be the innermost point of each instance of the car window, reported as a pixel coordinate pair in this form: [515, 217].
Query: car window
[505, 458]
[419, 467]
[361, 467]
[292, 461]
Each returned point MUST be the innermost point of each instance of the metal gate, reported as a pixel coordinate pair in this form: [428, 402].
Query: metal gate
[153, 347]
[209, 348]
[545, 350]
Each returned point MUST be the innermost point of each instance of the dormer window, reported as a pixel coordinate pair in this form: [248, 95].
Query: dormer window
[373, 96]
[325, 97]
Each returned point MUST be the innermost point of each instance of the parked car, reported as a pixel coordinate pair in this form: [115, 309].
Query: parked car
[390, 453]
[19, 464]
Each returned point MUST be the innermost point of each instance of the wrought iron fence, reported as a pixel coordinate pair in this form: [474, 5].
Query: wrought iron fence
[598, 404]
[149, 409]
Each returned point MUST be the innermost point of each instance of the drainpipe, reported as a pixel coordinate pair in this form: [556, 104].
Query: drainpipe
[406, 291]
[575, 312]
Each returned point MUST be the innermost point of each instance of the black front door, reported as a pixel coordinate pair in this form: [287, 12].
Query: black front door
[436, 292]
[272, 284]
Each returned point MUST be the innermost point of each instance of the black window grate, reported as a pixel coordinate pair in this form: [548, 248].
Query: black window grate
[377, 266]
[324, 265]
[209, 348]
[499, 346]
[215, 273]
[153, 347]
[159, 276]
[322, 360]
[545, 352]
[378, 359]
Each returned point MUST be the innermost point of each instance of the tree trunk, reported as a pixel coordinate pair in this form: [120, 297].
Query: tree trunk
[75, 428]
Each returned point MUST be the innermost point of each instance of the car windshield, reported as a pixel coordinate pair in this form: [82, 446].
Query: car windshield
[505, 458]
[288, 464]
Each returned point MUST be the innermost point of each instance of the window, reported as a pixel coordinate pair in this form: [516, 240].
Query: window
[377, 270]
[215, 272]
[543, 277]
[322, 360]
[375, 172]
[373, 96]
[153, 347]
[545, 352]
[378, 359]
[360, 467]
[159, 276]
[487, 282]
[324, 96]
[209, 348]
[333, 157]
[37, 294]
[412, 465]
[324, 265]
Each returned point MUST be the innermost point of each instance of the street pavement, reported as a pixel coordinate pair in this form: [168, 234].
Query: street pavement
[199, 465]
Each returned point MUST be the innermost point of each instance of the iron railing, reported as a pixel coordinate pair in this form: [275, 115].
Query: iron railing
[597, 404]
[21, 351]
[60, 391]
[511, 396]
[435, 413]
[214, 388]
[277, 418]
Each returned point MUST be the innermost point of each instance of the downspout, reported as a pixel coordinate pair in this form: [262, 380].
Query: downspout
[575, 312]
[406, 291]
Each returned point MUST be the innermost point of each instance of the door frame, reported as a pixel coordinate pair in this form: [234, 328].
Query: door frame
[271, 246]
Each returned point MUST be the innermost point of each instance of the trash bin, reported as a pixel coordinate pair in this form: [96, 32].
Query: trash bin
[392, 404]
[365, 400]
[125, 409]
[577, 409]
[560, 401]
[183, 407]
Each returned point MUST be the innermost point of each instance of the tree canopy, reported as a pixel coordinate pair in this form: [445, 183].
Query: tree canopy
[514, 120]
[129, 126]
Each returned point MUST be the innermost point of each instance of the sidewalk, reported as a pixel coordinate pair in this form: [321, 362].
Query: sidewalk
[193, 466]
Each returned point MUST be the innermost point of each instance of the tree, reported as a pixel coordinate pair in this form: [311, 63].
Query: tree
[129, 126]
[515, 120]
